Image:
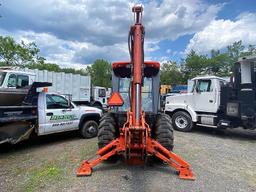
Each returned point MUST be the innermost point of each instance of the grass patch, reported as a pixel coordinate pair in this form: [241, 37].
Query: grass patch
[39, 178]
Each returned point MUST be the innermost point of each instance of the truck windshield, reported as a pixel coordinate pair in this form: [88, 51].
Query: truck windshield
[2, 76]
[102, 92]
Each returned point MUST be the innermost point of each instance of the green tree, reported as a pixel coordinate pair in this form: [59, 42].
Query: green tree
[251, 50]
[218, 63]
[234, 51]
[170, 74]
[13, 53]
[56, 68]
[29, 53]
[8, 50]
[45, 66]
[194, 65]
[100, 71]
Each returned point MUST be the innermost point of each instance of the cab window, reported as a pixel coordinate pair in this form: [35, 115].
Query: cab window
[56, 102]
[147, 95]
[102, 93]
[2, 77]
[124, 88]
[204, 86]
[18, 81]
[12, 80]
[22, 81]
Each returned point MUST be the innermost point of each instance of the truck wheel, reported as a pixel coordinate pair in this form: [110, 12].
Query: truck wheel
[107, 133]
[89, 129]
[164, 132]
[182, 121]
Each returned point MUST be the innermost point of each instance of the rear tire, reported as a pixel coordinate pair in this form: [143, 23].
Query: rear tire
[89, 129]
[164, 132]
[182, 121]
[107, 133]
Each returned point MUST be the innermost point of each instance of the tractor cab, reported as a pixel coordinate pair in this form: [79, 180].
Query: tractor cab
[121, 81]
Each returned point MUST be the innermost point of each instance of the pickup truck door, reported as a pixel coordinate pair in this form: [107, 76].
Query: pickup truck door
[59, 115]
[204, 96]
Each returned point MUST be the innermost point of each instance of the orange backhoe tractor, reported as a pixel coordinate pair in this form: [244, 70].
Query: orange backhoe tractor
[135, 129]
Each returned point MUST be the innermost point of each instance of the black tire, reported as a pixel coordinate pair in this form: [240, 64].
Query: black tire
[107, 133]
[89, 129]
[182, 121]
[164, 131]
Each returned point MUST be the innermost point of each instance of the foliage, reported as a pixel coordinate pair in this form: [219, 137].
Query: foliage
[100, 71]
[56, 68]
[194, 65]
[170, 74]
[40, 177]
[219, 64]
[13, 53]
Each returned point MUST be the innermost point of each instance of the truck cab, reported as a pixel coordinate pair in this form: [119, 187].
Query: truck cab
[214, 102]
[14, 85]
[11, 78]
[206, 90]
[15, 80]
[46, 113]
[199, 106]
[99, 99]
[57, 114]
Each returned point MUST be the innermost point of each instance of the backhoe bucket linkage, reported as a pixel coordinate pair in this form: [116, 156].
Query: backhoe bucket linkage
[104, 153]
[131, 137]
[153, 148]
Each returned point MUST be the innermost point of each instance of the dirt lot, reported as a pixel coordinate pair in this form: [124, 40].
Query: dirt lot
[221, 161]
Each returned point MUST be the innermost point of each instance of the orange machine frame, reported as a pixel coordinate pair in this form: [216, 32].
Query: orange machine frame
[134, 142]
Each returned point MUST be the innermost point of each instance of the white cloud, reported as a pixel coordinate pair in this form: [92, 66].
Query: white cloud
[80, 31]
[172, 19]
[220, 33]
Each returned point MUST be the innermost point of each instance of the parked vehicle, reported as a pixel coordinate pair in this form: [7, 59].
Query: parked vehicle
[178, 89]
[214, 102]
[164, 89]
[45, 113]
[14, 82]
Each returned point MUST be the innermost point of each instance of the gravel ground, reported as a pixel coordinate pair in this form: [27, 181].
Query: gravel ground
[221, 161]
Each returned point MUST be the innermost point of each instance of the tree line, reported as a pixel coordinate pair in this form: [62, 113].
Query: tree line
[218, 62]
[28, 55]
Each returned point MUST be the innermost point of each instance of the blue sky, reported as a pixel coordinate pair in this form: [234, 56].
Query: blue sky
[73, 33]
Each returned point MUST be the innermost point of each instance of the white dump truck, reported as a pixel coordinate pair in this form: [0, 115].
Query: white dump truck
[214, 102]
[45, 113]
[15, 80]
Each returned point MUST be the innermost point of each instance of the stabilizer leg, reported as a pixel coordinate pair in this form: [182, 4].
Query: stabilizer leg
[171, 158]
[104, 153]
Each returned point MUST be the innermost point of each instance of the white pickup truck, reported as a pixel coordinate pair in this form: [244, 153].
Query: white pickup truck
[46, 113]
